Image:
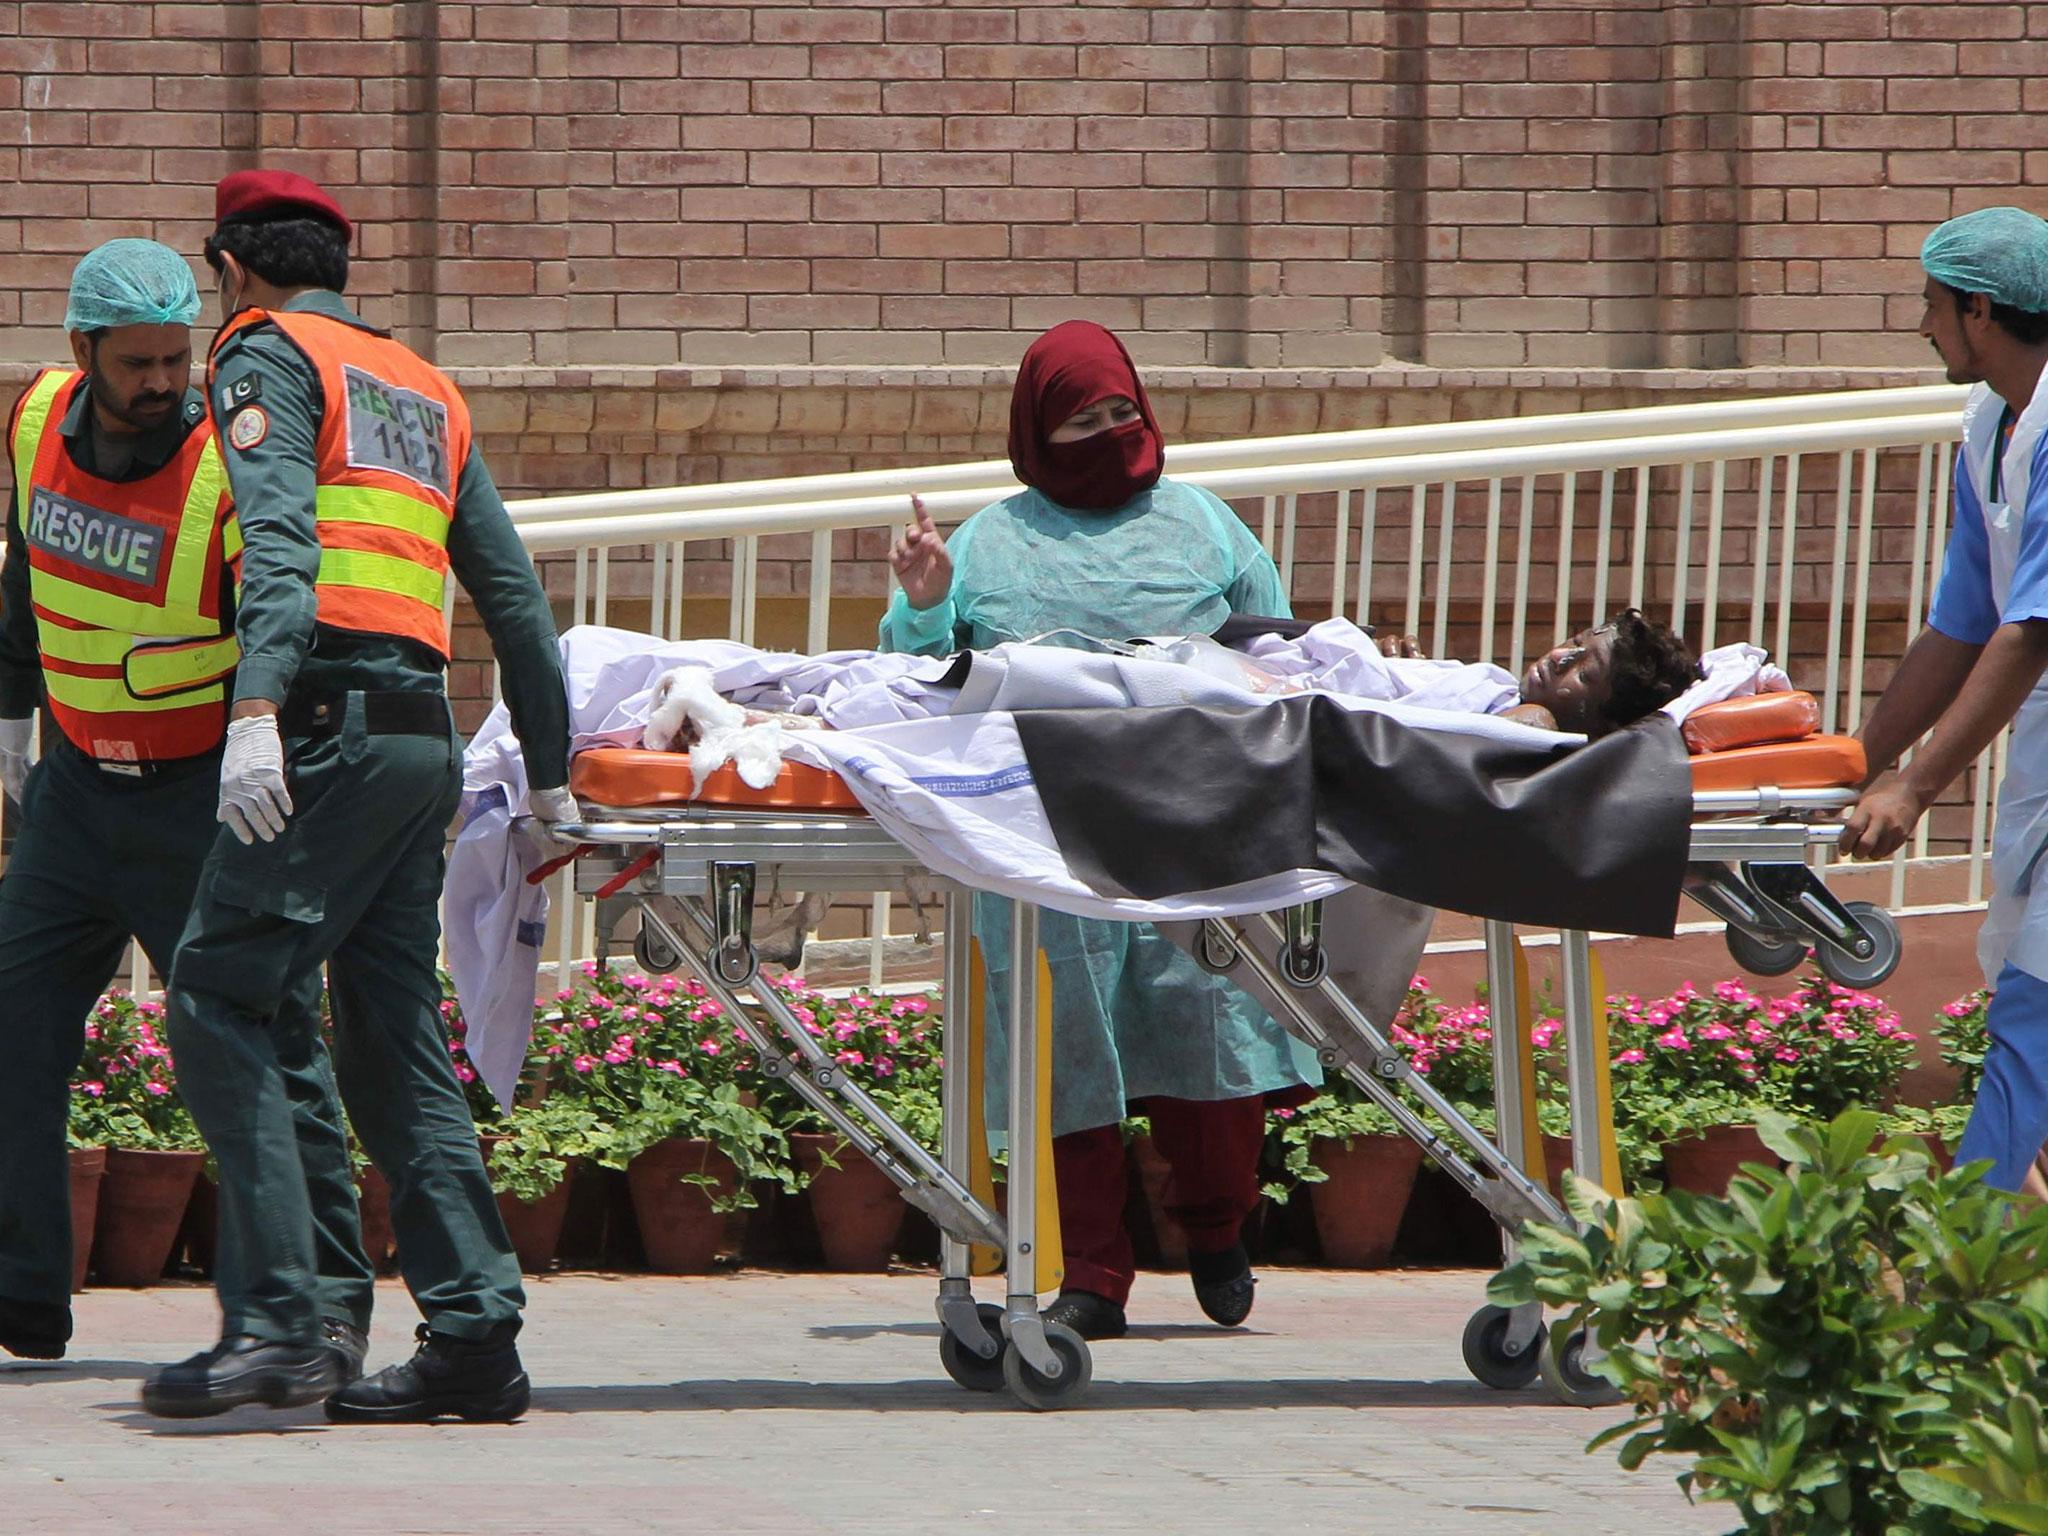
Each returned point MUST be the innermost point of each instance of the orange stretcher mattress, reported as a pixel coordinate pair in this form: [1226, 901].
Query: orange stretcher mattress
[1819, 762]
[1761, 719]
[633, 776]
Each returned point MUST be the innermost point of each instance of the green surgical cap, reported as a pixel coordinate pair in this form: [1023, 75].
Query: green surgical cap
[2002, 252]
[131, 282]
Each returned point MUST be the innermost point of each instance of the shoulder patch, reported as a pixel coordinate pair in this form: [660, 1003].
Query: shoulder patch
[249, 427]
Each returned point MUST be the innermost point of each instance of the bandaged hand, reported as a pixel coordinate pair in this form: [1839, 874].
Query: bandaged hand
[253, 799]
[15, 736]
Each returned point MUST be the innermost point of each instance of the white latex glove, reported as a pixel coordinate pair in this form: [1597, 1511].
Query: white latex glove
[15, 736]
[553, 805]
[253, 799]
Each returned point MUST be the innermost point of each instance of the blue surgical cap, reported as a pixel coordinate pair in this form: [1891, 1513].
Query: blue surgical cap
[2002, 252]
[131, 282]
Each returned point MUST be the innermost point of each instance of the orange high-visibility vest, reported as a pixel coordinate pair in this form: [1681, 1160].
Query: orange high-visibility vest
[126, 582]
[394, 435]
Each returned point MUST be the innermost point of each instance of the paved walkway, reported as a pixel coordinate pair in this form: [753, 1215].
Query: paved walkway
[814, 1404]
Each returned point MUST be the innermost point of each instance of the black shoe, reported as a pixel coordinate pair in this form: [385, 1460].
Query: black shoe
[348, 1344]
[241, 1370]
[1223, 1284]
[34, 1331]
[1089, 1315]
[449, 1378]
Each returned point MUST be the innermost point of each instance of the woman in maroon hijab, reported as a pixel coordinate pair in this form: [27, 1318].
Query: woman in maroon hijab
[1098, 543]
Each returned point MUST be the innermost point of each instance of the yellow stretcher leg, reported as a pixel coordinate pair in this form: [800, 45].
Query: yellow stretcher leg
[1050, 1260]
[1531, 1159]
[1603, 1077]
[981, 1258]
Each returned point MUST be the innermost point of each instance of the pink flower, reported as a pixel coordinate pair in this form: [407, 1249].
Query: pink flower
[462, 1074]
[1785, 1053]
[709, 1046]
[156, 1090]
[585, 1063]
[1674, 1039]
[850, 1058]
[93, 1089]
[617, 1058]
[586, 1022]
[675, 1067]
[564, 995]
[1630, 1058]
[1716, 1031]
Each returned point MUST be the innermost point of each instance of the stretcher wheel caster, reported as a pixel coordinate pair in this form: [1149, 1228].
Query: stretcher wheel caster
[1215, 951]
[1486, 1351]
[1569, 1380]
[654, 954]
[1303, 973]
[968, 1368]
[1761, 957]
[1044, 1392]
[1838, 965]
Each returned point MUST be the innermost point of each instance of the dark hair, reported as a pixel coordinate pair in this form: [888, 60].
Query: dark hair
[2028, 327]
[1648, 667]
[288, 253]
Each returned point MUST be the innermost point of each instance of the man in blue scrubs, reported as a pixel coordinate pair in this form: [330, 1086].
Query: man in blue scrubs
[1978, 665]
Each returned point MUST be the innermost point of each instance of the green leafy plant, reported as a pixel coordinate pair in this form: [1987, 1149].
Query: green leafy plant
[1339, 1113]
[1855, 1344]
[1965, 1037]
[124, 1092]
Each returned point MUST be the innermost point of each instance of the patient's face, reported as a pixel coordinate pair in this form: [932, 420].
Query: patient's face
[1572, 682]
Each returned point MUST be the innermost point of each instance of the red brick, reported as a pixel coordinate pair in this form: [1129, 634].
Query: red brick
[950, 26]
[887, 61]
[1009, 277]
[1016, 61]
[811, 169]
[647, 61]
[876, 276]
[900, 133]
[1888, 59]
[716, 61]
[1011, 132]
[817, 26]
[950, 97]
[1952, 167]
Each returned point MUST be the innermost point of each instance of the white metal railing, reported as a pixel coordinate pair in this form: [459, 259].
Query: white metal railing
[1739, 519]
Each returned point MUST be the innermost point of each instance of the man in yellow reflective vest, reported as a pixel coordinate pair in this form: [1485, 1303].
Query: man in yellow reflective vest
[115, 616]
[359, 495]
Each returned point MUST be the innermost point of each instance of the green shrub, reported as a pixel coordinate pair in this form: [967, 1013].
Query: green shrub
[1852, 1346]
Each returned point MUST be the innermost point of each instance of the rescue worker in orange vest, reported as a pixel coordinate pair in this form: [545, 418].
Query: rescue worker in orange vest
[359, 494]
[114, 615]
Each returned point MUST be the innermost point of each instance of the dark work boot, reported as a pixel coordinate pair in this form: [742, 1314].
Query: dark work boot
[1089, 1315]
[33, 1330]
[1223, 1284]
[240, 1370]
[348, 1344]
[448, 1378]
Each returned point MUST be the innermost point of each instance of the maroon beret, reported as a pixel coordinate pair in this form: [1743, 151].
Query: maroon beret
[274, 195]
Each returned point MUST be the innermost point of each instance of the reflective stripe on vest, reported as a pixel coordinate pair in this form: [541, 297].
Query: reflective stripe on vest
[394, 434]
[125, 581]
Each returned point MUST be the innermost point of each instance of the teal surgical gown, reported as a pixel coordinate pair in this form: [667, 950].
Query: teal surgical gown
[1133, 1015]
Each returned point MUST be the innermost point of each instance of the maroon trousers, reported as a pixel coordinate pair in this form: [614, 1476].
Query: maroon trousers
[1213, 1151]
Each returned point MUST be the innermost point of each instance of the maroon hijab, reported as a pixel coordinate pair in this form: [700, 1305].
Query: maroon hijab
[1069, 368]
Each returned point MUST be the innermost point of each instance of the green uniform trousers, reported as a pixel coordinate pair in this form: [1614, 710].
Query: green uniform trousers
[97, 857]
[354, 881]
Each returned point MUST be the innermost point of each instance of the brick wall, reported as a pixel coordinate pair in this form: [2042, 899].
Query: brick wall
[1248, 184]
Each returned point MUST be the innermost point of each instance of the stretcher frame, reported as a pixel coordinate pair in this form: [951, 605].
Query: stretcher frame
[693, 872]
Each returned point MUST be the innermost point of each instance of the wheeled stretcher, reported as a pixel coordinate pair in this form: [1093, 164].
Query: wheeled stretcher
[694, 866]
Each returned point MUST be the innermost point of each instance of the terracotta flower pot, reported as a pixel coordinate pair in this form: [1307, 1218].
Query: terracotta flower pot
[858, 1211]
[535, 1229]
[142, 1205]
[1358, 1207]
[1557, 1157]
[88, 1167]
[1153, 1173]
[679, 1228]
[373, 1202]
[1703, 1164]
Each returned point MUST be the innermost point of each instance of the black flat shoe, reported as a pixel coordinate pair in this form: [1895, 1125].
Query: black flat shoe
[478, 1380]
[238, 1371]
[34, 1331]
[1089, 1315]
[1223, 1284]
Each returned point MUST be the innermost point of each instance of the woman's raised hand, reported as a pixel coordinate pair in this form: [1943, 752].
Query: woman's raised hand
[920, 560]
